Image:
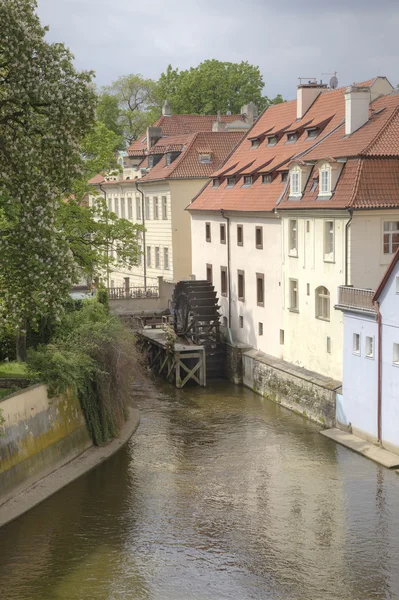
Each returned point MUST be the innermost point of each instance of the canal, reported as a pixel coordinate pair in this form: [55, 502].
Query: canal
[219, 495]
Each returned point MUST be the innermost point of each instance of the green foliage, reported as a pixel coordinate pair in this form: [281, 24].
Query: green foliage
[13, 369]
[95, 356]
[137, 101]
[103, 298]
[109, 114]
[46, 109]
[93, 232]
[212, 86]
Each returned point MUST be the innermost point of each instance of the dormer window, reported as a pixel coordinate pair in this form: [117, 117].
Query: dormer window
[325, 180]
[291, 138]
[231, 182]
[150, 162]
[215, 183]
[205, 158]
[284, 177]
[248, 180]
[168, 159]
[295, 182]
[255, 143]
[272, 140]
[313, 133]
[267, 178]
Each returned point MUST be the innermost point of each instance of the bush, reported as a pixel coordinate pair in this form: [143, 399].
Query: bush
[96, 356]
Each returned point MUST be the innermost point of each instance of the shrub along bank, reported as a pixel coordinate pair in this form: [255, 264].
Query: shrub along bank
[94, 354]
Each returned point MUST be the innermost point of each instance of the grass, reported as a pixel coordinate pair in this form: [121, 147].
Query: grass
[13, 369]
[7, 391]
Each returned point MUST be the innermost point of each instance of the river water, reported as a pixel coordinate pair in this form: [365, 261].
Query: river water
[219, 495]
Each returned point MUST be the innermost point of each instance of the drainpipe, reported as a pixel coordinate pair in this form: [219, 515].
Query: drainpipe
[144, 247]
[222, 212]
[106, 222]
[350, 210]
[379, 401]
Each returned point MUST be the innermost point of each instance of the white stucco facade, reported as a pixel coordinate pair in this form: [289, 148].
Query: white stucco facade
[251, 322]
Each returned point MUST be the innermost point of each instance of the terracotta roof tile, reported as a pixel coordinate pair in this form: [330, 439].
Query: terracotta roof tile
[180, 125]
[378, 137]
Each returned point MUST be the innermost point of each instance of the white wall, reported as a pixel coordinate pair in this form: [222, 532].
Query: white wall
[360, 378]
[251, 260]
[305, 335]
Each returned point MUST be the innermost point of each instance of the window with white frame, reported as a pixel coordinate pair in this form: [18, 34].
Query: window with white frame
[295, 180]
[322, 303]
[123, 208]
[391, 237]
[293, 237]
[164, 208]
[328, 240]
[369, 346]
[117, 207]
[140, 256]
[396, 354]
[148, 256]
[157, 258]
[356, 343]
[166, 258]
[325, 181]
[130, 208]
[138, 208]
[147, 209]
[110, 204]
[156, 207]
[294, 295]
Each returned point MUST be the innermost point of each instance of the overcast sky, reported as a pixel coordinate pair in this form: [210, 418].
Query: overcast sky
[286, 38]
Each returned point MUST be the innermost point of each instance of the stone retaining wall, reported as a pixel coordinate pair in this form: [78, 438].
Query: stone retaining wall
[38, 436]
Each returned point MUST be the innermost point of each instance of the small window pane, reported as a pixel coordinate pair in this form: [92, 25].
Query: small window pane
[356, 343]
[369, 347]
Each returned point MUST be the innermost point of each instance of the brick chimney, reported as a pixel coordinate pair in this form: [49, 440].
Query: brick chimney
[306, 95]
[357, 107]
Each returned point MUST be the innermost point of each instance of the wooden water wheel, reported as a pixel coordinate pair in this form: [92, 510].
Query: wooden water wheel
[196, 317]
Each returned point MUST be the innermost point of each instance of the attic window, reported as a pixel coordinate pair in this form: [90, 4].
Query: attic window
[314, 184]
[215, 183]
[150, 162]
[266, 178]
[248, 180]
[205, 158]
[168, 159]
[284, 177]
[255, 143]
[291, 138]
[231, 182]
[272, 140]
[313, 133]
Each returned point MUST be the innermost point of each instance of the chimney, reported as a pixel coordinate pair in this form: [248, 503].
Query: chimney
[357, 106]
[153, 135]
[166, 110]
[306, 95]
[218, 125]
[250, 113]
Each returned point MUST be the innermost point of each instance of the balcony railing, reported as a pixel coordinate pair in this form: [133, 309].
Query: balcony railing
[123, 293]
[355, 298]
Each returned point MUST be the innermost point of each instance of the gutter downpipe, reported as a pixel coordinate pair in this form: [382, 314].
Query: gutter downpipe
[136, 183]
[379, 400]
[106, 222]
[222, 212]
[350, 210]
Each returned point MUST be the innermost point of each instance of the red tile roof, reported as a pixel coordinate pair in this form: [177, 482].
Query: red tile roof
[365, 182]
[187, 164]
[180, 125]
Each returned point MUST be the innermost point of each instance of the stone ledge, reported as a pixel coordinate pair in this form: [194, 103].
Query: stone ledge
[49, 485]
[366, 449]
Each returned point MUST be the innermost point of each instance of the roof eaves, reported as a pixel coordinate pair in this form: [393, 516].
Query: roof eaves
[387, 275]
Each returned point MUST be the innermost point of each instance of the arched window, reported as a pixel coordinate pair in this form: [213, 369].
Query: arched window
[322, 303]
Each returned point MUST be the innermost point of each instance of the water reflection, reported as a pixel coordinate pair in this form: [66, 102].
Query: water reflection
[219, 495]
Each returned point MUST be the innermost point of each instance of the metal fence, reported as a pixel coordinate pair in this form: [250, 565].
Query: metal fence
[350, 297]
[119, 293]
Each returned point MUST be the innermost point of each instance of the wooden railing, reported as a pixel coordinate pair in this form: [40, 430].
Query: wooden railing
[357, 298]
[120, 293]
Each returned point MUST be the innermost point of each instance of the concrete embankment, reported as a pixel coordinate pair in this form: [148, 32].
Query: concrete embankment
[42, 489]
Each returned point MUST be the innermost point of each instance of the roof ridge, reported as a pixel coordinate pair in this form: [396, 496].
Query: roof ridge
[381, 131]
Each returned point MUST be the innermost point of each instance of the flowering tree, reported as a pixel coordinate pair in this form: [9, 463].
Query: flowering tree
[46, 108]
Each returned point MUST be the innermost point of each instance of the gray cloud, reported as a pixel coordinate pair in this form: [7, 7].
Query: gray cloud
[287, 38]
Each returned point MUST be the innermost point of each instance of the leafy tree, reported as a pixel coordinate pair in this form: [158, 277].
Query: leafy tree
[46, 108]
[212, 86]
[110, 115]
[137, 101]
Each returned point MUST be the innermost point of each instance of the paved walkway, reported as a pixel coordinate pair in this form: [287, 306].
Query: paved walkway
[366, 449]
[46, 487]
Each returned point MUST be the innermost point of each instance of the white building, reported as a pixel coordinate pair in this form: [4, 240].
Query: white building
[370, 395]
[312, 202]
